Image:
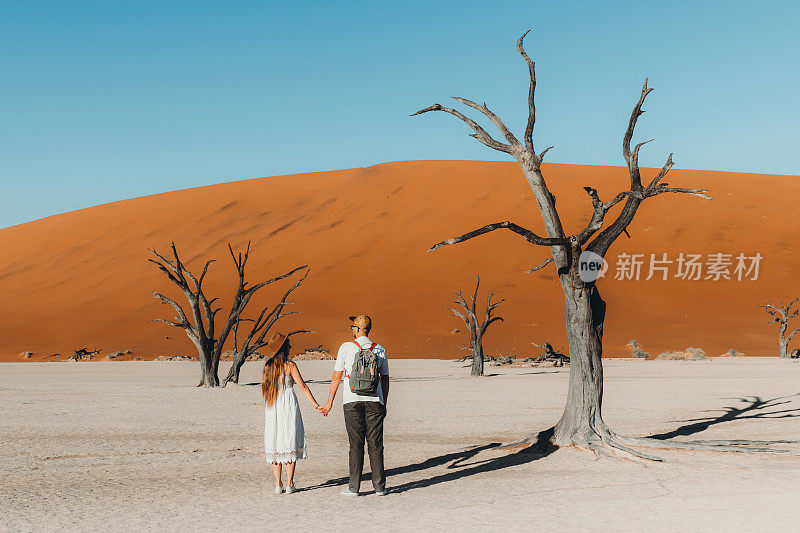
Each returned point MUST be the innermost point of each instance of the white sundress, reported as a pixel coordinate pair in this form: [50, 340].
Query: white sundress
[284, 436]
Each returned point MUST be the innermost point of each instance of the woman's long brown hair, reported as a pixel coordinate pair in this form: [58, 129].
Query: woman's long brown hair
[272, 380]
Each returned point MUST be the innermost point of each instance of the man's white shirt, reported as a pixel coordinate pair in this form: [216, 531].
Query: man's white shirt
[344, 363]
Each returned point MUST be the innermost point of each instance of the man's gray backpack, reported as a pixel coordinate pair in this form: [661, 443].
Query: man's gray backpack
[365, 374]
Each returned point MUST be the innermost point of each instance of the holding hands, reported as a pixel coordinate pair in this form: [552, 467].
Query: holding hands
[335, 380]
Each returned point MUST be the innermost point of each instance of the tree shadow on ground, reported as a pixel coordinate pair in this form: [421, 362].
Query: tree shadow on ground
[754, 407]
[459, 465]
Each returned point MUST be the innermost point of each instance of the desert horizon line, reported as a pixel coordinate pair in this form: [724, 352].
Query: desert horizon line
[401, 161]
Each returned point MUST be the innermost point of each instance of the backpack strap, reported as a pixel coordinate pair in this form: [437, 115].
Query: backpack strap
[359, 348]
[371, 348]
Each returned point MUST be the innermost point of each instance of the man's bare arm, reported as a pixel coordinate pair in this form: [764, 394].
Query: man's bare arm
[335, 380]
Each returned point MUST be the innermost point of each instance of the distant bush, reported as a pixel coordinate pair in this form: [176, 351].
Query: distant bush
[689, 354]
[636, 350]
[311, 354]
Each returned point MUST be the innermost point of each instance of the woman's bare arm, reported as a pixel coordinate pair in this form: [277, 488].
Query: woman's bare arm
[298, 378]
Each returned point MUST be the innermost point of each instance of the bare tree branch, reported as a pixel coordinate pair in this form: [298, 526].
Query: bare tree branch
[461, 301]
[636, 193]
[694, 192]
[531, 90]
[456, 313]
[540, 265]
[490, 307]
[168, 322]
[599, 213]
[203, 274]
[475, 297]
[167, 270]
[494, 118]
[298, 331]
[541, 156]
[661, 173]
[480, 134]
[527, 234]
[633, 163]
[264, 326]
[174, 304]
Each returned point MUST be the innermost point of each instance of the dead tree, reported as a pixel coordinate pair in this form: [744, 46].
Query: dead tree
[476, 328]
[782, 314]
[581, 423]
[202, 327]
[550, 354]
[255, 338]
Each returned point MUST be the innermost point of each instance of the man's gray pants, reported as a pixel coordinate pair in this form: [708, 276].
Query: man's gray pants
[364, 420]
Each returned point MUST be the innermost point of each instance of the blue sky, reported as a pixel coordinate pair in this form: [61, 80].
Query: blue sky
[106, 100]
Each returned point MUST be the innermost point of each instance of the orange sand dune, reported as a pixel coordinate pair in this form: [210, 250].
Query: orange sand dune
[81, 279]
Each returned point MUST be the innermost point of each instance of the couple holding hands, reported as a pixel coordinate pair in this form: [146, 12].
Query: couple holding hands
[364, 368]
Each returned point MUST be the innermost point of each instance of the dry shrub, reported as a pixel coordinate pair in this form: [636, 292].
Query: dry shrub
[314, 354]
[689, 354]
[636, 350]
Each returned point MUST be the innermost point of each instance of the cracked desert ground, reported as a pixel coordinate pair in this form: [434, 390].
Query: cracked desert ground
[135, 446]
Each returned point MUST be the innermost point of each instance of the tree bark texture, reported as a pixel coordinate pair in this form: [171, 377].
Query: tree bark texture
[582, 416]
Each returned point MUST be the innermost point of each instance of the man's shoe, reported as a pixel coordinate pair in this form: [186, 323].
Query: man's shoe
[348, 492]
[291, 489]
[380, 493]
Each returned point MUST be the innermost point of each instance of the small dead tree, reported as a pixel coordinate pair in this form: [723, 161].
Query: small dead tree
[781, 314]
[202, 328]
[476, 328]
[550, 354]
[581, 423]
[255, 338]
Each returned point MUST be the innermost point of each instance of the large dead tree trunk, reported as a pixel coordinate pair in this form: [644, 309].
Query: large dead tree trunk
[201, 330]
[582, 421]
[255, 339]
[476, 328]
[582, 415]
[782, 314]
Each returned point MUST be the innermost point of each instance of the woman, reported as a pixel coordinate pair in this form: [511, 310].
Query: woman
[284, 437]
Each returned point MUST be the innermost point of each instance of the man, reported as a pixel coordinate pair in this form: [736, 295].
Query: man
[363, 415]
